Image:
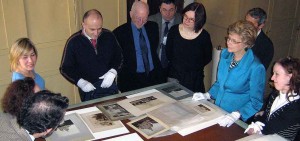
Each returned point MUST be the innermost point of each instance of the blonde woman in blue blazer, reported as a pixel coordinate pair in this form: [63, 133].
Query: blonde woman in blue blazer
[240, 83]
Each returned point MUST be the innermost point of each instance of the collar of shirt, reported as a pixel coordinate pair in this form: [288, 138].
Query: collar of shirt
[258, 32]
[84, 33]
[170, 22]
[31, 137]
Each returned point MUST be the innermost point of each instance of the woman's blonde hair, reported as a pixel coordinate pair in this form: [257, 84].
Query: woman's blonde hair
[19, 48]
[246, 30]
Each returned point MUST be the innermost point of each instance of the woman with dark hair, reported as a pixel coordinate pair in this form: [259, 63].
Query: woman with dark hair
[189, 48]
[15, 93]
[282, 113]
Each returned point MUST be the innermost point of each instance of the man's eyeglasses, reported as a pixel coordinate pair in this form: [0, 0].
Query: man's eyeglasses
[232, 40]
[186, 18]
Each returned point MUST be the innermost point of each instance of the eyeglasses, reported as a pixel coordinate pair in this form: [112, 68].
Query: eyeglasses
[232, 40]
[186, 18]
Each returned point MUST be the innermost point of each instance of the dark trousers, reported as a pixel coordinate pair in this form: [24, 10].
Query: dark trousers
[98, 92]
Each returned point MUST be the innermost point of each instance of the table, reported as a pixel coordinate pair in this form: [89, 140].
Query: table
[213, 133]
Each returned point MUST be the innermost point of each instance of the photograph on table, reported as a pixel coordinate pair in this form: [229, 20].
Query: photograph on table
[114, 111]
[71, 128]
[98, 122]
[175, 91]
[146, 103]
[203, 109]
[142, 104]
[148, 126]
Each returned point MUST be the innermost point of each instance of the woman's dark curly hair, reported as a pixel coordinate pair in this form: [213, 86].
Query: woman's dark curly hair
[15, 93]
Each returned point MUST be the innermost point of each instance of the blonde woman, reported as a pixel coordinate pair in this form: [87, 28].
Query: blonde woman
[23, 58]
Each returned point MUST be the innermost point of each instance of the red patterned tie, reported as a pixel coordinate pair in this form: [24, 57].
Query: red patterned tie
[94, 42]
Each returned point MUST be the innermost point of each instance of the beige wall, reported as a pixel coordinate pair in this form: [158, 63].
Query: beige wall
[49, 23]
[283, 21]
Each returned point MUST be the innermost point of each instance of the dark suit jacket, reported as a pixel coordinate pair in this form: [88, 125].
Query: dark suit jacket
[263, 49]
[128, 72]
[158, 19]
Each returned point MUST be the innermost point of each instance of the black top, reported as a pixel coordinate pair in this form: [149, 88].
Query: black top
[81, 60]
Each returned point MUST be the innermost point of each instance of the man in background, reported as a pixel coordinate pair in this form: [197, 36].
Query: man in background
[138, 40]
[39, 117]
[91, 59]
[263, 47]
[165, 18]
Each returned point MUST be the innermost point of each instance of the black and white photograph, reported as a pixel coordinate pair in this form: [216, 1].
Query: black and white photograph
[98, 122]
[114, 111]
[142, 104]
[202, 108]
[148, 126]
[147, 102]
[71, 129]
[176, 92]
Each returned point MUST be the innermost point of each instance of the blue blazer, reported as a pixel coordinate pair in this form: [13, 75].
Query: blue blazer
[242, 88]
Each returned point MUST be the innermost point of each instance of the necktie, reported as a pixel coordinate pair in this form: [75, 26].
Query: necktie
[144, 50]
[94, 41]
[163, 58]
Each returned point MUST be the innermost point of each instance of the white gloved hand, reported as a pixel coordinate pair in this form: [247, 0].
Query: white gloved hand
[108, 78]
[85, 86]
[201, 96]
[257, 127]
[229, 119]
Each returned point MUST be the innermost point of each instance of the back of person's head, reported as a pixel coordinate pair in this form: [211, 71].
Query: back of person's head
[245, 30]
[19, 48]
[292, 66]
[42, 111]
[168, 2]
[91, 12]
[15, 94]
[200, 14]
[259, 14]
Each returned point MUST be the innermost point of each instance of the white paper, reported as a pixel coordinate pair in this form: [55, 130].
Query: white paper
[142, 93]
[103, 134]
[144, 103]
[260, 137]
[129, 137]
[208, 116]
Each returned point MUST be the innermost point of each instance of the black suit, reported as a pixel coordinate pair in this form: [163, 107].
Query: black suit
[128, 78]
[263, 49]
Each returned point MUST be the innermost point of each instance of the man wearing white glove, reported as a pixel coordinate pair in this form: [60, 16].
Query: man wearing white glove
[91, 58]
[85, 86]
[229, 119]
[108, 78]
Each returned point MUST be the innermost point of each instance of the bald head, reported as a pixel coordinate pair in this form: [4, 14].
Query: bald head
[92, 23]
[139, 13]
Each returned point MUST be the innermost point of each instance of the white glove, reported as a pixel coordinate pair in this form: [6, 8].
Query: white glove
[108, 78]
[85, 86]
[257, 127]
[201, 96]
[229, 119]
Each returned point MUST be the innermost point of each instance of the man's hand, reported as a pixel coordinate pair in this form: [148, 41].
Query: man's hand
[85, 86]
[108, 78]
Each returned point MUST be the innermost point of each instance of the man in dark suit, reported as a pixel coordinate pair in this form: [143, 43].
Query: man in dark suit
[263, 47]
[139, 40]
[166, 18]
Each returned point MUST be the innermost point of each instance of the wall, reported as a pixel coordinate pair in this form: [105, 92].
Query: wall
[282, 24]
[49, 23]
